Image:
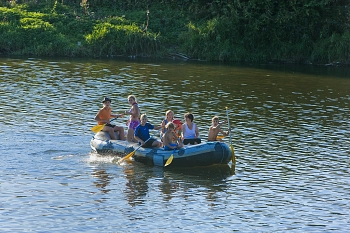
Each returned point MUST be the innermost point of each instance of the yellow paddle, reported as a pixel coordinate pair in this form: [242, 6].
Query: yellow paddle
[219, 137]
[170, 159]
[233, 154]
[231, 147]
[98, 128]
[132, 153]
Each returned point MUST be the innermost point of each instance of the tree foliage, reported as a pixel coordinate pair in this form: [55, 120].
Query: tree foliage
[227, 30]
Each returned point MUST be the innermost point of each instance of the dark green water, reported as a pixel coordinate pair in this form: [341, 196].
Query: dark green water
[290, 133]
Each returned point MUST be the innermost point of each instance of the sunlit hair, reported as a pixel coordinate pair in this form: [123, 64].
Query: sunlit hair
[215, 118]
[132, 97]
[143, 116]
[189, 116]
[168, 112]
[170, 125]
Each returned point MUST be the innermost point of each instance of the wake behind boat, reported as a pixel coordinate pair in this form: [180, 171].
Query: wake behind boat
[204, 154]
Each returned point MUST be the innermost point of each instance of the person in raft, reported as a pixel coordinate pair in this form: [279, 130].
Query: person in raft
[169, 117]
[103, 117]
[134, 119]
[215, 129]
[142, 136]
[170, 138]
[178, 126]
[190, 133]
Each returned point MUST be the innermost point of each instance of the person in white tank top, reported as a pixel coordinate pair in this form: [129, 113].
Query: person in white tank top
[190, 132]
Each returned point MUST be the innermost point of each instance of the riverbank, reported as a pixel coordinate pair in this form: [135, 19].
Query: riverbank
[255, 32]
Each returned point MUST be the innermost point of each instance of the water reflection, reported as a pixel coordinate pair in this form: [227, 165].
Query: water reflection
[141, 179]
[136, 187]
[103, 179]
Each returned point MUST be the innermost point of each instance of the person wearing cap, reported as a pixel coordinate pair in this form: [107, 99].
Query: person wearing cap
[103, 118]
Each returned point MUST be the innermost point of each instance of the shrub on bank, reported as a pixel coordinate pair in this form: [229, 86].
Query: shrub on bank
[333, 49]
[255, 30]
[115, 37]
[40, 34]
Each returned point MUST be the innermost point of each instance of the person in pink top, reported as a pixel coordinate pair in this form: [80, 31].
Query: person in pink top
[134, 119]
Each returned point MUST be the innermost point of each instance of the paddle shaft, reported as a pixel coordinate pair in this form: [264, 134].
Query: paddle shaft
[228, 124]
[143, 143]
[233, 158]
[98, 128]
[132, 153]
[111, 120]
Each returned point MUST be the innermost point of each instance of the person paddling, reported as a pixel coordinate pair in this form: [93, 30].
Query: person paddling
[142, 133]
[215, 129]
[103, 118]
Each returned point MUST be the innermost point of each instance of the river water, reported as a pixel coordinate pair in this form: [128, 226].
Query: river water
[290, 130]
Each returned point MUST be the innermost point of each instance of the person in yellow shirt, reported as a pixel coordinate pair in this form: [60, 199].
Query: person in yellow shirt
[103, 118]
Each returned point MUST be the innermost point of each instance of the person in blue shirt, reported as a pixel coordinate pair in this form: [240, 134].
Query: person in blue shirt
[141, 133]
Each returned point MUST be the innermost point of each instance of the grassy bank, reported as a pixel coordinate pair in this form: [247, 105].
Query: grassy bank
[249, 31]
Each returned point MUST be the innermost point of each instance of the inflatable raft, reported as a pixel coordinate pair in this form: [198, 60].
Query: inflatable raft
[204, 154]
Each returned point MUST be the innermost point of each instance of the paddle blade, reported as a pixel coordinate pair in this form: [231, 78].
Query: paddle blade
[170, 159]
[219, 137]
[232, 149]
[128, 156]
[233, 154]
[97, 128]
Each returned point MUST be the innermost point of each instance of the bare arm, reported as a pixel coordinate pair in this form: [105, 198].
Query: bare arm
[218, 126]
[197, 132]
[117, 115]
[135, 112]
[182, 131]
[224, 133]
[157, 127]
[163, 126]
[139, 140]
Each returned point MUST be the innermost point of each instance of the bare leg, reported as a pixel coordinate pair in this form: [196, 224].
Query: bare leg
[156, 144]
[130, 136]
[110, 130]
[121, 132]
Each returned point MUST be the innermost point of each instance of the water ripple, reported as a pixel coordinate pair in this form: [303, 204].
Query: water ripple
[290, 133]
